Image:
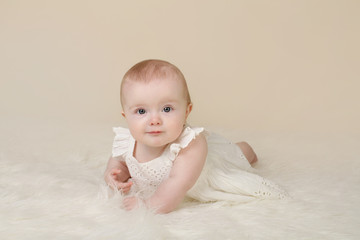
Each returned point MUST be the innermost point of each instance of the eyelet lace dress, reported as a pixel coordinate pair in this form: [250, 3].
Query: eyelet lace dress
[226, 175]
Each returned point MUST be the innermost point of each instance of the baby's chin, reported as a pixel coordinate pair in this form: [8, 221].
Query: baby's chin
[160, 144]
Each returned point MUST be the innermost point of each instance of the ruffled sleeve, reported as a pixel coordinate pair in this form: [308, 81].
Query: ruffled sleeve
[121, 141]
[188, 134]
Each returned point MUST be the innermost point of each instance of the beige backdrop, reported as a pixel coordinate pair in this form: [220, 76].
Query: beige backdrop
[257, 65]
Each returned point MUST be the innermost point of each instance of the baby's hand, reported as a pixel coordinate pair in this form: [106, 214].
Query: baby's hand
[122, 172]
[130, 203]
[118, 179]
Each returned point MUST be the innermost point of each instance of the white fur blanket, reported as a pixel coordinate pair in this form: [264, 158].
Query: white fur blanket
[52, 188]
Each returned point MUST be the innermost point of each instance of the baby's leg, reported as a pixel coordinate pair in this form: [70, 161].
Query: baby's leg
[248, 152]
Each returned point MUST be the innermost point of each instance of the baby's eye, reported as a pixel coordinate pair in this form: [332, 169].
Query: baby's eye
[167, 109]
[141, 111]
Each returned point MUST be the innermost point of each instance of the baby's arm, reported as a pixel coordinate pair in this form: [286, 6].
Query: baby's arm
[184, 173]
[117, 174]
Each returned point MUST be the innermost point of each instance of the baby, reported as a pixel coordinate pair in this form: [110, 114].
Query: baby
[160, 159]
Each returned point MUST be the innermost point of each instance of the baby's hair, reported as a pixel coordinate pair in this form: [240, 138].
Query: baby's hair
[148, 70]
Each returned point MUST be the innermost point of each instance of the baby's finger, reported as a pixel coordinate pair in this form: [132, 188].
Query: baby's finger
[112, 184]
[115, 171]
[130, 203]
[126, 189]
[124, 186]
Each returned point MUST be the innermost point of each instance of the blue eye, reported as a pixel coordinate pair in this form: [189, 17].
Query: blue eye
[141, 111]
[167, 109]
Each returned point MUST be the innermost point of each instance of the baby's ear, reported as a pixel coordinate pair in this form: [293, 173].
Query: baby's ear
[188, 109]
[123, 114]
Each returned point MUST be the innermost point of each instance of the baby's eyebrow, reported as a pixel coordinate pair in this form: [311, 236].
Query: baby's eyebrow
[161, 104]
[171, 102]
[136, 106]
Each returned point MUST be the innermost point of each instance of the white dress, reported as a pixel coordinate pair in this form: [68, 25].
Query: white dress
[226, 174]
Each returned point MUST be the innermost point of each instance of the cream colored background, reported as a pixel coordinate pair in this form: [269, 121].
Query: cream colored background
[255, 65]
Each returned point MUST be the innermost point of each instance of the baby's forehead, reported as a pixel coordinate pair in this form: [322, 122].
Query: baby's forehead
[154, 81]
[157, 88]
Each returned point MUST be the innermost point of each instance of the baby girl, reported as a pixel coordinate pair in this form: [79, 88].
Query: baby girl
[159, 159]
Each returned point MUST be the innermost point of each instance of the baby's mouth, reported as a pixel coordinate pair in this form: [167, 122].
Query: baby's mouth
[154, 132]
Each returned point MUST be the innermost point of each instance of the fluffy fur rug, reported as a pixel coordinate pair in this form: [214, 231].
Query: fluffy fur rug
[52, 188]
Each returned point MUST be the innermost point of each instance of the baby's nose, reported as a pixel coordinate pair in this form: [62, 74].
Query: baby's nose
[155, 120]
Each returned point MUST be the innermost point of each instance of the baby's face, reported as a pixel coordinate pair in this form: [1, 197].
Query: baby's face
[156, 111]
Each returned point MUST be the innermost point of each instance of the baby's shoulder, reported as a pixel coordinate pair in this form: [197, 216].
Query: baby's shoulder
[197, 147]
[191, 139]
[200, 142]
